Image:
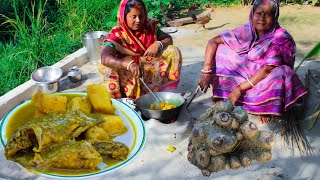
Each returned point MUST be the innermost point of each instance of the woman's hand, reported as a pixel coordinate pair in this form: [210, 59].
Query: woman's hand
[152, 50]
[205, 78]
[204, 82]
[234, 95]
[135, 70]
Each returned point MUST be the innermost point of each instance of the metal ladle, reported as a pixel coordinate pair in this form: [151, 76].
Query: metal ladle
[158, 99]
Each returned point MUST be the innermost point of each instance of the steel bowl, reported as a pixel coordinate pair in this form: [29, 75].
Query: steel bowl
[144, 102]
[47, 78]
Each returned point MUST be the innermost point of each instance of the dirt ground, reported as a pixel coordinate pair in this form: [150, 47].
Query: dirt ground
[301, 21]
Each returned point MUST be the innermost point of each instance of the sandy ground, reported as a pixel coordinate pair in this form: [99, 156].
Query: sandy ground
[156, 162]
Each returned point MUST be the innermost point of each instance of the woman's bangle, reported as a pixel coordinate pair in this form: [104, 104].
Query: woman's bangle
[161, 44]
[206, 71]
[128, 66]
[250, 82]
[240, 89]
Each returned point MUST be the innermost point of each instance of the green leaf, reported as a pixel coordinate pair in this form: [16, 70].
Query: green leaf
[151, 15]
[315, 50]
[157, 11]
[166, 1]
[156, 3]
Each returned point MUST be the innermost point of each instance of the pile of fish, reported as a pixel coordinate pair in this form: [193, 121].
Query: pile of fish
[224, 138]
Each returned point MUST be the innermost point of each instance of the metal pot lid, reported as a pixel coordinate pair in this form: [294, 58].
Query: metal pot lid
[73, 71]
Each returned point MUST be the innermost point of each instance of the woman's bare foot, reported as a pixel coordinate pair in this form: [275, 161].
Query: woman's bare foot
[264, 119]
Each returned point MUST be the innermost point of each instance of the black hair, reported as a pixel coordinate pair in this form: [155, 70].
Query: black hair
[131, 4]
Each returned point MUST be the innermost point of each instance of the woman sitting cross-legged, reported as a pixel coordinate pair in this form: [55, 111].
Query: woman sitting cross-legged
[253, 65]
[137, 48]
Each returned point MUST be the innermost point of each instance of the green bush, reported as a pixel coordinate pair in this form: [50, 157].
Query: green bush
[78, 17]
[43, 32]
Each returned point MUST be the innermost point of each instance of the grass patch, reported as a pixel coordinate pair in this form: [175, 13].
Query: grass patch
[38, 40]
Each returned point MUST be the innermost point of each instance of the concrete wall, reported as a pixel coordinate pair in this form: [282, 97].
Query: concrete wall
[27, 89]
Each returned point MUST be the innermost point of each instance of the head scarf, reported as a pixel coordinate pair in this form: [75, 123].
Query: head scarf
[241, 41]
[130, 42]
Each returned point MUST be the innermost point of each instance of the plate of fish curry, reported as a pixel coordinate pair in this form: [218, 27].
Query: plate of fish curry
[72, 134]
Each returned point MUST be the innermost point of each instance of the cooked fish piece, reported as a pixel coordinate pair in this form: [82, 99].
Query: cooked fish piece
[50, 129]
[113, 149]
[72, 154]
[67, 155]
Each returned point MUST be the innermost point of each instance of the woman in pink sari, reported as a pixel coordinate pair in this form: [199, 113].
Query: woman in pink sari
[137, 48]
[252, 65]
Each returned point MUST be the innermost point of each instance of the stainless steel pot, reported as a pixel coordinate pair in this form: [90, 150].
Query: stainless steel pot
[93, 41]
[144, 102]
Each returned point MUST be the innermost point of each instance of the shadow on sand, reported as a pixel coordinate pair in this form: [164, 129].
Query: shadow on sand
[217, 27]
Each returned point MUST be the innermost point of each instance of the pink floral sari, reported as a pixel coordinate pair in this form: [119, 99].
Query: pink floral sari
[160, 73]
[242, 55]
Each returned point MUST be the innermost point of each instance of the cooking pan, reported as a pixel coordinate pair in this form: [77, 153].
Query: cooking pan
[144, 102]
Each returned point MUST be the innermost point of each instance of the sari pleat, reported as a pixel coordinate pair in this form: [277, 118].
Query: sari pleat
[272, 95]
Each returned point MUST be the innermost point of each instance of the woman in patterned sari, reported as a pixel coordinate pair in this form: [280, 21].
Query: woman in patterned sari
[253, 65]
[138, 48]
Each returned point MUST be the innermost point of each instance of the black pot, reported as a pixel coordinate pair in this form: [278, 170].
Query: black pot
[144, 102]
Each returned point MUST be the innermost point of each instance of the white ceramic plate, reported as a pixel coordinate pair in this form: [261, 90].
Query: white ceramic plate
[135, 137]
[169, 29]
